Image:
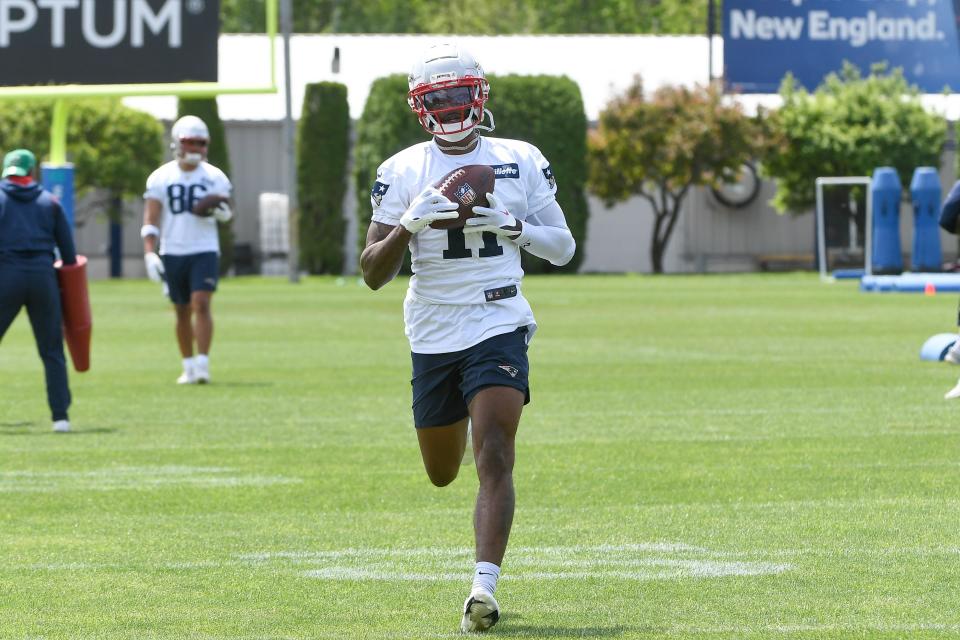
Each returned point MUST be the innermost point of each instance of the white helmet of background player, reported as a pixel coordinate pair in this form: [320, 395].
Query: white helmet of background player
[193, 129]
[448, 91]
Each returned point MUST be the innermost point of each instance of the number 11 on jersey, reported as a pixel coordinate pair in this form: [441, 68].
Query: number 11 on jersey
[457, 245]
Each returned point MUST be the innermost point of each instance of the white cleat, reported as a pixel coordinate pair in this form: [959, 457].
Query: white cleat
[480, 612]
[953, 393]
[201, 374]
[187, 377]
[61, 426]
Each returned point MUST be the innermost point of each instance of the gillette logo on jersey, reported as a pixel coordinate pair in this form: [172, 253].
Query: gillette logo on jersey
[511, 170]
[102, 42]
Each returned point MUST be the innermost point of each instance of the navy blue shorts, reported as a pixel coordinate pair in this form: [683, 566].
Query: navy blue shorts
[445, 383]
[189, 273]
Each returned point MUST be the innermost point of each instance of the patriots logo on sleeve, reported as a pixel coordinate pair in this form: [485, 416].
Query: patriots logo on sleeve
[379, 190]
[548, 174]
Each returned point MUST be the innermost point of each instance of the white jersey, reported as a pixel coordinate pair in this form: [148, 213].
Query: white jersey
[447, 307]
[181, 232]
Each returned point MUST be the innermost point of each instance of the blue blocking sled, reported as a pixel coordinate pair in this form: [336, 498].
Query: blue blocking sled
[936, 347]
[911, 282]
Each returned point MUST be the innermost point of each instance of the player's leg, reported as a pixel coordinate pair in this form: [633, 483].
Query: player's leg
[953, 356]
[43, 308]
[12, 297]
[496, 387]
[953, 353]
[495, 412]
[442, 450]
[495, 416]
[184, 330]
[178, 288]
[204, 273]
[439, 414]
[203, 331]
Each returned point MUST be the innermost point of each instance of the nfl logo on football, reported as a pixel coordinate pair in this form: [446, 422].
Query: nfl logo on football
[465, 194]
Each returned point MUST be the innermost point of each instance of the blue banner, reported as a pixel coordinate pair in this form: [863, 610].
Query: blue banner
[765, 39]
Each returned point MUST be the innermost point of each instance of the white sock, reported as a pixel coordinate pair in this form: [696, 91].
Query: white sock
[188, 364]
[202, 360]
[485, 577]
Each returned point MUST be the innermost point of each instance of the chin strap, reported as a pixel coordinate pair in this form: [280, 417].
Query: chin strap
[483, 127]
[476, 136]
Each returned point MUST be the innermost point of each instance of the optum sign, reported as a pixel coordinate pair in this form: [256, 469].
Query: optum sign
[108, 41]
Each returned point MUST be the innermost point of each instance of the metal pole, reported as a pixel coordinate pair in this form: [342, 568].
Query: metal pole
[289, 135]
[711, 29]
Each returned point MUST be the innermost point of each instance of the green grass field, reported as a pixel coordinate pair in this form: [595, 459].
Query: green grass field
[713, 457]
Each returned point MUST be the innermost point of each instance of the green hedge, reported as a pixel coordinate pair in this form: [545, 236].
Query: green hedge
[323, 146]
[111, 146]
[546, 111]
[217, 155]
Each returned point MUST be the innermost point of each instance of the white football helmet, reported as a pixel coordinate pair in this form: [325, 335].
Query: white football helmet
[448, 91]
[193, 129]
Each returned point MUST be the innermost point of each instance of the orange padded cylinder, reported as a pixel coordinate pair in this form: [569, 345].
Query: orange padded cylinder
[75, 303]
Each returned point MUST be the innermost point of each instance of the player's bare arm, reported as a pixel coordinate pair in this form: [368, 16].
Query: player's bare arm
[152, 209]
[383, 256]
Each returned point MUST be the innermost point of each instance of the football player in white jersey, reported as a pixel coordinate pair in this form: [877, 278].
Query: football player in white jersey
[466, 318]
[188, 260]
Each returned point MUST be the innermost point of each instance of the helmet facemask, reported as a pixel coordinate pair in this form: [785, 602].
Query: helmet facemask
[190, 155]
[191, 137]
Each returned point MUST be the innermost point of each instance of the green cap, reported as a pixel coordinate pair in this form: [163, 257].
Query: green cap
[19, 162]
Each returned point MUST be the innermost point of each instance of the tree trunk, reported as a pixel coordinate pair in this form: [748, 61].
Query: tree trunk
[666, 214]
[656, 256]
[656, 245]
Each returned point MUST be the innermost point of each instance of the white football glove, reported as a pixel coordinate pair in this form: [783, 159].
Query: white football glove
[154, 266]
[429, 206]
[495, 219]
[223, 212]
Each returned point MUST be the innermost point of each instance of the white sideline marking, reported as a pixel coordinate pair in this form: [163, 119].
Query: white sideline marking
[136, 478]
[818, 628]
[637, 562]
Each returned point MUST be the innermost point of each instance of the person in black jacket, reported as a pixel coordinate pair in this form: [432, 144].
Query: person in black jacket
[32, 223]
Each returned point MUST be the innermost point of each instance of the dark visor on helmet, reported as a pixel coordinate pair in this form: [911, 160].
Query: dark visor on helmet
[451, 98]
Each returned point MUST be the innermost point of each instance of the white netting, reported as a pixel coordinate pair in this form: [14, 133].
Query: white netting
[274, 233]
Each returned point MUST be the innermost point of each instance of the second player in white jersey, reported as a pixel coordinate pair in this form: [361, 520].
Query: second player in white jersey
[446, 308]
[188, 264]
[183, 233]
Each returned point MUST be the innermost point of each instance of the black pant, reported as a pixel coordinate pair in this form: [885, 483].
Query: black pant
[38, 292]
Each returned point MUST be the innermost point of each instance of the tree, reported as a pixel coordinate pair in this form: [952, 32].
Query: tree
[659, 148]
[849, 126]
[488, 18]
[112, 147]
[323, 149]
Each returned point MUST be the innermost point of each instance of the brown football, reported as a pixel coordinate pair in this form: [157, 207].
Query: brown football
[204, 206]
[467, 186]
